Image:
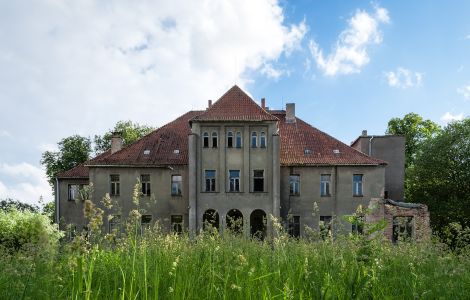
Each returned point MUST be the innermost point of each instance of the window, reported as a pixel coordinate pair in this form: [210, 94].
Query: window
[214, 139]
[238, 140]
[210, 180]
[145, 223]
[176, 181]
[402, 229]
[145, 182]
[229, 139]
[357, 185]
[325, 184]
[234, 177]
[325, 226]
[262, 140]
[115, 186]
[74, 191]
[294, 182]
[258, 180]
[114, 224]
[294, 226]
[205, 138]
[177, 224]
[254, 138]
[358, 225]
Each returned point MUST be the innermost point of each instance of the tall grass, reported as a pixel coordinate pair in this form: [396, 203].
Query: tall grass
[160, 266]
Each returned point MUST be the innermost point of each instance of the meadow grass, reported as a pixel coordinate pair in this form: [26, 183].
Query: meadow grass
[160, 266]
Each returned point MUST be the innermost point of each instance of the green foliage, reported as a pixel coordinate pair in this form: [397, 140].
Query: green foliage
[457, 237]
[10, 204]
[415, 129]
[73, 151]
[440, 176]
[130, 132]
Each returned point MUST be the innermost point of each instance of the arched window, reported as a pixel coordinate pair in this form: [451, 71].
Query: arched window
[254, 138]
[205, 138]
[229, 139]
[238, 142]
[262, 140]
[214, 139]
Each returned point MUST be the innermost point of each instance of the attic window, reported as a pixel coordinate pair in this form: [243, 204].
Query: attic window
[335, 151]
[176, 151]
[307, 151]
[146, 152]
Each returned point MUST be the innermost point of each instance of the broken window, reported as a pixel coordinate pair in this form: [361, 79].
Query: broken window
[294, 226]
[258, 180]
[402, 228]
[145, 223]
[177, 224]
[145, 182]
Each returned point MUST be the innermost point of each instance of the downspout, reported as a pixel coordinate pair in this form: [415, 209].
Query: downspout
[57, 191]
[370, 145]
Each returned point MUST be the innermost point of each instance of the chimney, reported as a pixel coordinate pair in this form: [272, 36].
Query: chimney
[209, 103]
[364, 133]
[116, 142]
[290, 112]
[263, 103]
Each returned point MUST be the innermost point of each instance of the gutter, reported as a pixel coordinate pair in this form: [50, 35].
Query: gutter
[370, 145]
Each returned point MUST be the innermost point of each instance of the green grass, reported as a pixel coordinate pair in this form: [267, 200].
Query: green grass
[227, 267]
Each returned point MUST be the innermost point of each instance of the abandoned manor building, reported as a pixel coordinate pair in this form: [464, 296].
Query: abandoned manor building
[233, 165]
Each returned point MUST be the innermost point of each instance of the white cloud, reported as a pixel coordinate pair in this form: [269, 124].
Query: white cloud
[448, 117]
[23, 182]
[350, 52]
[269, 71]
[464, 91]
[403, 78]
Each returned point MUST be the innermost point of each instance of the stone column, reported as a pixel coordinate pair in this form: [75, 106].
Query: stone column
[192, 166]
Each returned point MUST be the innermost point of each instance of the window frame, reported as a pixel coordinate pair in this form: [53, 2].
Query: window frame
[115, 185]
[229, 139]
[236, 182]
[214, 139]
[258, 177]
[254, 139]
[179, 184]
[262, 140]
[291, 190]
[77, 196]
[359, 185]
[293, 226]
[205, 140]
[147, 225]
[214, 183]
[175, 225]
[238, 140]
[325, 186]
[145, 185]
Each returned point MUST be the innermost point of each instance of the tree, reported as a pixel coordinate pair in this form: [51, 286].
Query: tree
[73, 151]
[415, 129]
[440, 176]
[130, 133]
[10, 204]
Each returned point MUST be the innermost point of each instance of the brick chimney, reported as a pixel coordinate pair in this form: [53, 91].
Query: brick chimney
[209, 104]
[116, 142]
[263, 103]
[290, 112]
[364, 133]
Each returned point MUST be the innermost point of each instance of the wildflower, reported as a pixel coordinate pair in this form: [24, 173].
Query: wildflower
[107, 202]
[170, 290]
[242, 259]
[235, 287]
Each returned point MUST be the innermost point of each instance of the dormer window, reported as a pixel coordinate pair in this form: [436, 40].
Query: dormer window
[214, 139]
[229, 139]
[238, 140]
[254, 138]
[262, 140]
[205, 138]
[146, 152]
[307, 151]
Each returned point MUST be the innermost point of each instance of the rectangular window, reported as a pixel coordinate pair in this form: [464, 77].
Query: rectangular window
[229, 139]
[177, 224]
[145, 182]
[325, 226]
[258, 180]
[205, 138]
[262, 140]
[402, 229]
[74, 191]
[294, 183]
[210, 180]
[325, 184]
[238, 141]
[145, 223]
[214, 139]
[294, 226]
[254, 139]
[358, 225]
[114, 224]
[115, 185]
[234, 177]
[176, 183]
[357, 185]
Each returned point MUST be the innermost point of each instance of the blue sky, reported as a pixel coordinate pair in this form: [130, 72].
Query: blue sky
[79, 67]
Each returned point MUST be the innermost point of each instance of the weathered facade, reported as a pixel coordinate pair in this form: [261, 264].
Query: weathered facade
[235, 162]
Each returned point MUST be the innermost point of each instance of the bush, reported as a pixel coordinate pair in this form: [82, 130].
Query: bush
[27, 232]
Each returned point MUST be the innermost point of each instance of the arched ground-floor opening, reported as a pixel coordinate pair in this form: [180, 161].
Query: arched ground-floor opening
[210, 220]
[234, 221]
[258, 224]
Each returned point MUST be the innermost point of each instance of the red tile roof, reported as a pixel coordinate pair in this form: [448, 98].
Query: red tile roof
[235, 105]
[168, 145]
[299, 137]
[81, 171]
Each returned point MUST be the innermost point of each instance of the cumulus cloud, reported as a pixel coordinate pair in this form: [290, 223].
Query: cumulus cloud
[403, 78]
[77, 67]
[350, 52]
[448, 117]
[23, 182]
[464, 91]
[271, 72]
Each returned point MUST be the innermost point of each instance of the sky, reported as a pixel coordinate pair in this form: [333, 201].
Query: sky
[78, 67]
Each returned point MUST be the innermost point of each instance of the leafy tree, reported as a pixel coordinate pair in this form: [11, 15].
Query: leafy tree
[10, 204]
[73, 151]
[130, 133]
[415, 129]
[440, 176]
